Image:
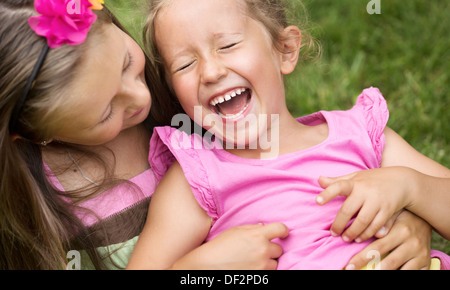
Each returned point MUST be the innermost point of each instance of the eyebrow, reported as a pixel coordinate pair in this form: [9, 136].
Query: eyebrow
[226, 34]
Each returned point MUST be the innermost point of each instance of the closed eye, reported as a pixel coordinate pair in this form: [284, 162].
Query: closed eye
[228, 46]
[130, 63]
[184, 66]
[109, 117]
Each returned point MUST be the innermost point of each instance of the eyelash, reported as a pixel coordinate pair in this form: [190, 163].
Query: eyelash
[228, 46]
[109, 116]
[130, 62]
[184, 67]
[222, 48]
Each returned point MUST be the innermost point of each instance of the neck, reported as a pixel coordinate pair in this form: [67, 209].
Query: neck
[126, 156]
[274, 140]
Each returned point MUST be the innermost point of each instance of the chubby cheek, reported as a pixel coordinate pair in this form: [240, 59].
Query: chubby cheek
[187, 95]
[104, 136]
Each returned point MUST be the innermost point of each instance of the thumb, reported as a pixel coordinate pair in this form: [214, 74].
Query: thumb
[275, 230]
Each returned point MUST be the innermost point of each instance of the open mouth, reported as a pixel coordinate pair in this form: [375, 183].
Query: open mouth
[232, 104]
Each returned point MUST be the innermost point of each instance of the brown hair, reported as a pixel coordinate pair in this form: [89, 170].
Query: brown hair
[37, 226]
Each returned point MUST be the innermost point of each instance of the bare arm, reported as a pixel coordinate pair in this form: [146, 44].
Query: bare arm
[407, 179]
[176, 224]
[430, 182]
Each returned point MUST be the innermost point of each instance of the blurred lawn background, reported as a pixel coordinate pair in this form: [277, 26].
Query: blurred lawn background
[404, 51]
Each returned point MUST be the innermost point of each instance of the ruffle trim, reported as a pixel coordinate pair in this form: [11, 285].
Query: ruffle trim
[169, 144]
[376, 115]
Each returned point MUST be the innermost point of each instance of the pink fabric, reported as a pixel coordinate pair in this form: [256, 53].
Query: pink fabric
[112, 201]
[236, 191]
[445, 259]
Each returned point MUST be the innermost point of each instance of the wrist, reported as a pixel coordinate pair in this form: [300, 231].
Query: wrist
[192, 261]
[415, 188]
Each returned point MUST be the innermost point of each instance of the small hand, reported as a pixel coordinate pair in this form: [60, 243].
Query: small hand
[247, 247]
[406, 245]
[373, 196]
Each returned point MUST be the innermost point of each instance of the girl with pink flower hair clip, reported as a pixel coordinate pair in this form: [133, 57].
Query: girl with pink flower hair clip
[78, 102]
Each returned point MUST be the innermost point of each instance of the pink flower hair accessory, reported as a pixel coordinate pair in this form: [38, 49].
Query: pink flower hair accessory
[64, 21]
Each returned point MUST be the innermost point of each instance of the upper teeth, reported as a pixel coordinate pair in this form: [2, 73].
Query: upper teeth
[227, 97]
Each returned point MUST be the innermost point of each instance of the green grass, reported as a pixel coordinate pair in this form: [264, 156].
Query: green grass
[404, 51]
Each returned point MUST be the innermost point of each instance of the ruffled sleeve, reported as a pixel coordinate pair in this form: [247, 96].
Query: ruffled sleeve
[375, 114]
[169, 144]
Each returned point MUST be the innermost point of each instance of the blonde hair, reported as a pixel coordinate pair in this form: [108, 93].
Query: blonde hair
[273, 14]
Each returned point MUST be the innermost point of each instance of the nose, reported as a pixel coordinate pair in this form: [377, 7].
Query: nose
[133, 95]
[212, 70]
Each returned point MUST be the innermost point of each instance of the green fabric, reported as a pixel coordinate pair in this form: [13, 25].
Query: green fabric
[117, 260]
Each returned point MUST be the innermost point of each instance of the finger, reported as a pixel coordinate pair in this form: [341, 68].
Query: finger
[381, 246]
[340, 188]
[275, 230]
[405, 257]
[384, 230]
[275, 250]
[327, 181]
[364, 224]
[416, 264]
[271, 265]
[349, 208]
[376, 226]
[324, 182]
[251, 226]
[395, 259]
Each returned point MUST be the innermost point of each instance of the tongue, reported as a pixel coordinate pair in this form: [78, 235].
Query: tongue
[233, 106]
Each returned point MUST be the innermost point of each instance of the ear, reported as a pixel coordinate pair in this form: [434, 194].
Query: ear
[290, 46]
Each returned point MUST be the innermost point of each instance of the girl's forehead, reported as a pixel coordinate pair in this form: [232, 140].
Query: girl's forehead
[99, 74]
[197, 9]
[103, 60]
[198, 17]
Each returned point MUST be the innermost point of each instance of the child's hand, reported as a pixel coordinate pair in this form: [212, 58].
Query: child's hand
[406, 245]
[247, 247]
[373, 196]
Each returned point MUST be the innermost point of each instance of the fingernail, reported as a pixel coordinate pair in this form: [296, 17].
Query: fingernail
[346, 239]
[319, 200]
[358, 240]
[350, 267]
[382, 231]
[333, 233]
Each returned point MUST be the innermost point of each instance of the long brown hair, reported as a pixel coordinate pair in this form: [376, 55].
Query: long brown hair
[37, 225]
